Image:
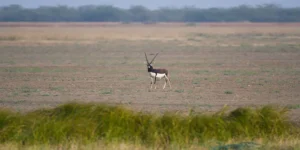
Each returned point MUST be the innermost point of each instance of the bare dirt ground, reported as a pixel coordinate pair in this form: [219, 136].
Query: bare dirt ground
[209, 66]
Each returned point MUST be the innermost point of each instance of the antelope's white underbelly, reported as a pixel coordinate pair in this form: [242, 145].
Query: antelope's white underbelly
[158, 75]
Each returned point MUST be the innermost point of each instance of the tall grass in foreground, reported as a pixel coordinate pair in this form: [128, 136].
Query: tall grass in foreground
[89, 123]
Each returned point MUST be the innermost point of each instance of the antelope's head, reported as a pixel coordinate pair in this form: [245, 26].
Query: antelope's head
[149, 66]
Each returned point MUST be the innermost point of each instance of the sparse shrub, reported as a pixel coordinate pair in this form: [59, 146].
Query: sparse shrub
[9, 38]
[228, 92]
[230, 72]
[58, 88]
[179, 91]
[26, 89]
[196, 81]
[106, 91]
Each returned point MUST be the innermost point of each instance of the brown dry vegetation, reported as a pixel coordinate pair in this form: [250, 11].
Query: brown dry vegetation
[210, 65]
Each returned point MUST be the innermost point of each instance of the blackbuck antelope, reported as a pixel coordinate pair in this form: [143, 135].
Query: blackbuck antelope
[157, 74]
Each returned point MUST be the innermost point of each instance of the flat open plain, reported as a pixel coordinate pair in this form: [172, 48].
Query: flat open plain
[210, 65]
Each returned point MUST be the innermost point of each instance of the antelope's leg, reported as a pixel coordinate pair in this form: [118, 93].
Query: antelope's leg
[165, 83]
[155, 82]
[151, 83]
[169, 82]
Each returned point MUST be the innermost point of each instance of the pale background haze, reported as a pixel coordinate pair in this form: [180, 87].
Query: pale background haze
[152, 4]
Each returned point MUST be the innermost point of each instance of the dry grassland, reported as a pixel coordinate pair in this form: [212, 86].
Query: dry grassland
[211, 65]
[60, 33]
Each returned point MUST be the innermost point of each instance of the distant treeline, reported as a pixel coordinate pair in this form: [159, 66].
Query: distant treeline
[106, 13]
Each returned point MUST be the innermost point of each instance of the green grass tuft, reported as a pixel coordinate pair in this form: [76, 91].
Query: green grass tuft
[179, 90]
[9, 38]
[228, 92]
[58, 88]
[297, 106]
[106, 91]
[87, 123]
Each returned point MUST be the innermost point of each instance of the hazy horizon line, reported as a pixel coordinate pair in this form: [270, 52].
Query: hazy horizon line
[171, 7]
